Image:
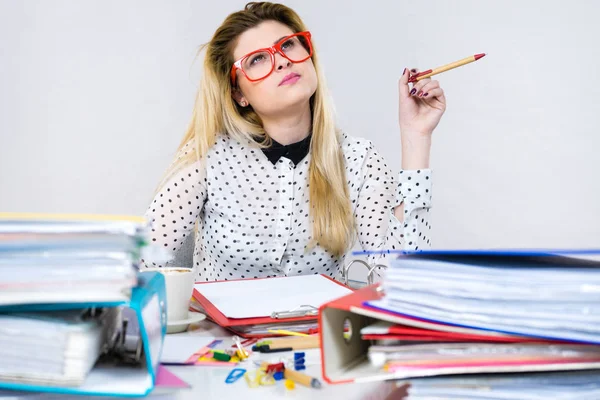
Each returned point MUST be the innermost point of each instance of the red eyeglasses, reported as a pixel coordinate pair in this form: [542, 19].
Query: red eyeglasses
[259, 64]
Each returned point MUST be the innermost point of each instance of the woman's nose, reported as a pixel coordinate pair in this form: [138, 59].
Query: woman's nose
[281, 62]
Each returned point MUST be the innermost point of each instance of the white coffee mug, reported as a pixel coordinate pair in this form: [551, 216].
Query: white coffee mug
[179, 284]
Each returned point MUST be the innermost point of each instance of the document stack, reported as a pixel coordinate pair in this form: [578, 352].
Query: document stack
[69, 286]
[485, 314]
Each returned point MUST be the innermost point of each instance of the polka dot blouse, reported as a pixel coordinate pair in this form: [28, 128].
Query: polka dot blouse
[252, 211]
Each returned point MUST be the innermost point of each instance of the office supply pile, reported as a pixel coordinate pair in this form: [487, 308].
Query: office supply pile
[464, 321]
[255, 363]
[75, 315]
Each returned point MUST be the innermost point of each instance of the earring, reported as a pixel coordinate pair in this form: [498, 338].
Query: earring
[243, 103]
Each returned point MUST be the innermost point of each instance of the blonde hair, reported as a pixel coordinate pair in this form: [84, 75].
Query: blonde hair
[216, 112]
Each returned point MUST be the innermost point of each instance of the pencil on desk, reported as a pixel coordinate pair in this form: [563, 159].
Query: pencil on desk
[444, 68]
[297, 343]
[287, 333]
[301, 378]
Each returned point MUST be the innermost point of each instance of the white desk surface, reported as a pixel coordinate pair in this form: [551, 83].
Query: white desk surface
[209, 382]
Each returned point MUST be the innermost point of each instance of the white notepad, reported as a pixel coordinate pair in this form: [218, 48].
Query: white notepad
[260, 297]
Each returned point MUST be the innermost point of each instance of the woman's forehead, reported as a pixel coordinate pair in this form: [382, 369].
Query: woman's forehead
[264, 35]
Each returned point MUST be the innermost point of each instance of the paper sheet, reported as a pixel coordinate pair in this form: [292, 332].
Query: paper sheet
[167, 379]
[260, 297]
[177, 349]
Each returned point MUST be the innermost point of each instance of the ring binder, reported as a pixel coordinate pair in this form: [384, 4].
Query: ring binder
[301, 311]
[134, 335]
[370, 269]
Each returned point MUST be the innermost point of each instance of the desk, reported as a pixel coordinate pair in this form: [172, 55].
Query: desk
[209, 382]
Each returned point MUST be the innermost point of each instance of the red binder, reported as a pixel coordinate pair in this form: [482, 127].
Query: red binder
[344, 356]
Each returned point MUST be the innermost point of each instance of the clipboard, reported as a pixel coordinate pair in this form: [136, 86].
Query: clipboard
[134, 343]
[277, 316]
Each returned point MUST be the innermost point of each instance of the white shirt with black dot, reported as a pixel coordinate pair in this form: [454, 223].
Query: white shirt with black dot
[253, 215]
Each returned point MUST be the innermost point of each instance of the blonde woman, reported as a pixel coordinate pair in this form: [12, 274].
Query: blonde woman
[264, 178]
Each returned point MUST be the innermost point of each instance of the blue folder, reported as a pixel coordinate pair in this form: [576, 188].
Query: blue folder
[425, 302]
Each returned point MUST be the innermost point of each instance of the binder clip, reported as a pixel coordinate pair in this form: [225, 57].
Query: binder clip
[274, 367]
[299, 364]
[241, 352]
[301, 311]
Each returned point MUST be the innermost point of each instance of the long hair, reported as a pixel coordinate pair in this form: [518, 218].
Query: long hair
[215, 112]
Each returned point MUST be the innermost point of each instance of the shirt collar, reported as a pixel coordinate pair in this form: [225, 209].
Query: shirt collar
[294, 151]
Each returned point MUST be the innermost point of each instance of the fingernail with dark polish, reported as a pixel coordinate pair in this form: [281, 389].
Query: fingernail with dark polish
[404, 72]
[425, 95]
[413, 91]
[413, 70]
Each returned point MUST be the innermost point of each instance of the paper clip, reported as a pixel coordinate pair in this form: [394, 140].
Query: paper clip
[235, 374]
[302, 311]
[253, 383]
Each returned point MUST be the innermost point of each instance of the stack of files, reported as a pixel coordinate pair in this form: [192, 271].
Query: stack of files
[57, 348]
[76, 316]
[58, 258]
[85, 348]
[455, 313]
[580, 385]
[538, 294]
[257, 307]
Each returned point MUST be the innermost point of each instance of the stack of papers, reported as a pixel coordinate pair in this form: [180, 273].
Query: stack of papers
[582, 385]
[487, 312]
[60, 259]
[52, 348]
[546, 296]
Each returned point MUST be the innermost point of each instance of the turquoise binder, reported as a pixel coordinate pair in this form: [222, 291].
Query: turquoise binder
[130, 370]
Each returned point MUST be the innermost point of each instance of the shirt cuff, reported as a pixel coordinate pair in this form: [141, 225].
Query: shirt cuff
[414, 188]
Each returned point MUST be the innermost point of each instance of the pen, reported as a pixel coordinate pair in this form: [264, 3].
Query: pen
[301, 378]
[268, 349]
[444, 68]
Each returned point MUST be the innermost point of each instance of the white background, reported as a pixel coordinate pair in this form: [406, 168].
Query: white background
[95, 97]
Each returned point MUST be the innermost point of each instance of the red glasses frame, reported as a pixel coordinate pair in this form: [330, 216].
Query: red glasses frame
[276, 48]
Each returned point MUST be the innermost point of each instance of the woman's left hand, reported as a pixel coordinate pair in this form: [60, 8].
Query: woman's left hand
[421, 107]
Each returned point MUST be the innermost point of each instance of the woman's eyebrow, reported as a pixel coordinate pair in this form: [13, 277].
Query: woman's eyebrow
[278, 40]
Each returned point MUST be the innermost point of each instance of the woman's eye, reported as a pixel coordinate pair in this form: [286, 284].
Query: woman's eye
[257, 59]
[288, 44]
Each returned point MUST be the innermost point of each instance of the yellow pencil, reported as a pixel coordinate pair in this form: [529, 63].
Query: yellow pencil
[296, 343]
[301, 378]
[287, 333]
[447, 67]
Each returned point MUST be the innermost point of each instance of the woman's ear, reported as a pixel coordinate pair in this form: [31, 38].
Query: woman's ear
[239, 97]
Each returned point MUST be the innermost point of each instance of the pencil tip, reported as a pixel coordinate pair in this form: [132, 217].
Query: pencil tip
[478, 56]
